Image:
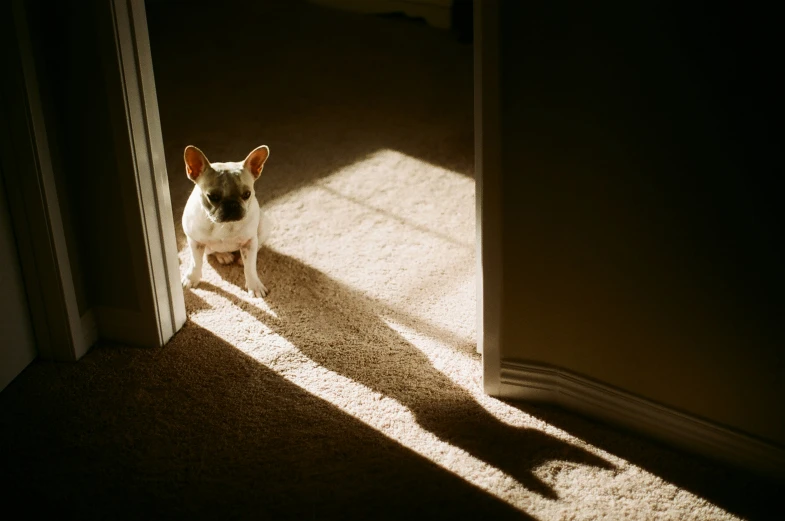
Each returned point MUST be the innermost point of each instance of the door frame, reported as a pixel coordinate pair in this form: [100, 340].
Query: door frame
[135, 62]
[488, 189]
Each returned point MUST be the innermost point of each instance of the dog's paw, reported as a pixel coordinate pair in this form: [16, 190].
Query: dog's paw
[224, 257]
[256, 288]
[190, 280]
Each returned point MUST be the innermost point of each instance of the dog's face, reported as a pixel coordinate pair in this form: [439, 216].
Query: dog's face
[226, 189]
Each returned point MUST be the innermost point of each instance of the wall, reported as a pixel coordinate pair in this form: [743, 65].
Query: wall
[88, 135]
[17, 348]
[642, 202]
[83, 152]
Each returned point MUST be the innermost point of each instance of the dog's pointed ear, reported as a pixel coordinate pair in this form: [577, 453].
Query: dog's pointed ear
[195, 162]
[254, 163]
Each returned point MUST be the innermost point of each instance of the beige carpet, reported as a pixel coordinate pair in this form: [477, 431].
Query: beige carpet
[353, 390]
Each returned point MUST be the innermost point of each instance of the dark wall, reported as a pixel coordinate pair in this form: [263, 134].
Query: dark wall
[642, 208]
[87, 162]
[17, 348]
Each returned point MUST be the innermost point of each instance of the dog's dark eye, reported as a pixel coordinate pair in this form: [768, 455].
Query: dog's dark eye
[247, 194]
[214, 198]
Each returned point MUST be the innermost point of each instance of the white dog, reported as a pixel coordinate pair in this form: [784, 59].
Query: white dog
[222, 215]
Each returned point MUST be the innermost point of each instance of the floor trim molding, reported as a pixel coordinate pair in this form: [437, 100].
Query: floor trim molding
[556, 386]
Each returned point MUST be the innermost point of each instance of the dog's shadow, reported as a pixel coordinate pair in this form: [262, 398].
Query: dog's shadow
[338, 328]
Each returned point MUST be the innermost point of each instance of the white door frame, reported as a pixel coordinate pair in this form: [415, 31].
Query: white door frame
[144, 128]
[487, 171]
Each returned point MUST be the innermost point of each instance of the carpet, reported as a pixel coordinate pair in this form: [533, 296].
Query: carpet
[353, 390]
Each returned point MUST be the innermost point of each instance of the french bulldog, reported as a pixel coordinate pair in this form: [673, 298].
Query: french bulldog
[222, 215]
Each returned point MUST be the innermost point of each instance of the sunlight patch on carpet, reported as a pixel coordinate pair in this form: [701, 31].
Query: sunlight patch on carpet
[396, 228]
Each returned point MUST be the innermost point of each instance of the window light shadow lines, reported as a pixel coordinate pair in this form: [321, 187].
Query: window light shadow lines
[390, 215]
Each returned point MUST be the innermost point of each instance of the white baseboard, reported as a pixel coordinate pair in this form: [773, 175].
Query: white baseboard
[559, 387]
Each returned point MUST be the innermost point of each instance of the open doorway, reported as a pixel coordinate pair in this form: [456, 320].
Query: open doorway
[369, 120]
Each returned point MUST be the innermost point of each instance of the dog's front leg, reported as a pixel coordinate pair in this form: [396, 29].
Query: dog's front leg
[248, 253]
[193, 274]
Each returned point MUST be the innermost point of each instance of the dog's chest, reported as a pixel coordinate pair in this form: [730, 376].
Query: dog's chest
[218, 237]
[226, 245]
[224, 237]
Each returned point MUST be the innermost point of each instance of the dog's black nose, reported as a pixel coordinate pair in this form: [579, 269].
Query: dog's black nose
[232, 206]
[231, 211]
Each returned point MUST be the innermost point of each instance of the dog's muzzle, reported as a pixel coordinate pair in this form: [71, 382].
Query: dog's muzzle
[230, 211]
